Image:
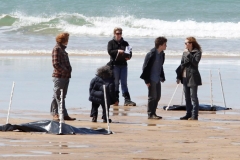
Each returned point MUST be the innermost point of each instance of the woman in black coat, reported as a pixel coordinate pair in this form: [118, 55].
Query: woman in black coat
[103, 76]
[189, 75]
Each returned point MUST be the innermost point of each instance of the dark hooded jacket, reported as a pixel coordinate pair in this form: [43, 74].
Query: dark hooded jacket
[96, 90]
[147, 66]
[190, 61]
[113, 47]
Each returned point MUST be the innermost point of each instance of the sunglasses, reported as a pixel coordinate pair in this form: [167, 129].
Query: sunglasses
[118, 33]
[187, 43]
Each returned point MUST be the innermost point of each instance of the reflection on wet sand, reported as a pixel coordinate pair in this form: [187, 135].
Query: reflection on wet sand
[119, 111]
[125, 111]
[30, 143]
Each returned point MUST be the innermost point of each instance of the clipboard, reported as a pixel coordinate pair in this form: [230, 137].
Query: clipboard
[126, 54]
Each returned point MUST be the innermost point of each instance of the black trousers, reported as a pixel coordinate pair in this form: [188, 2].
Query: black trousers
[154, 95]
[94, 111]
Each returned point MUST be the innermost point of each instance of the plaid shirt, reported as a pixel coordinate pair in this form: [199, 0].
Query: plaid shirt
[60, 62]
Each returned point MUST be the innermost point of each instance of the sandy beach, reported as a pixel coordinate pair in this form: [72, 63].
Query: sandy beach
[214, 136]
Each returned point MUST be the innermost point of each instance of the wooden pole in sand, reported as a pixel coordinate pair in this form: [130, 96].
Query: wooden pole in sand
[211, 96]
[61, 112]
[10, 103]
[106, 108]
[220, 78]
[172, 97]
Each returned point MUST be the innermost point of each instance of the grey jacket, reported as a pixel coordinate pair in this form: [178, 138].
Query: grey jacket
[190, 61]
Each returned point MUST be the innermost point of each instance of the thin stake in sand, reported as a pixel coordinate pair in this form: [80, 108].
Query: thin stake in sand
[61, 112]
[10, 103]
[211, 95]
[172, 97]
[182, 96]
[220, 78]
[105, 99]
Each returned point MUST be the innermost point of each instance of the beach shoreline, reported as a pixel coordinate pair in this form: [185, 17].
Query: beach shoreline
[106, 55]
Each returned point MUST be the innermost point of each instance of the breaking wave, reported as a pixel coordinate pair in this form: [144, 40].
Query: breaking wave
[79, 24]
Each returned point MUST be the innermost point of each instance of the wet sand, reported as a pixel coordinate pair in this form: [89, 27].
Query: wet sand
[33, 81]
[214, 136]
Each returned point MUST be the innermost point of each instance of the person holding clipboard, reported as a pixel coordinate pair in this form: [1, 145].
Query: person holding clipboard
[120, 52]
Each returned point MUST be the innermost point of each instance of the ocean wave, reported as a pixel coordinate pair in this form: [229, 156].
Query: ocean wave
[79, 24]
[102, 53]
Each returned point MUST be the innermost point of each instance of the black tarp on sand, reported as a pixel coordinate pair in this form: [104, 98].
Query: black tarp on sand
[202, 107]
[51, 127]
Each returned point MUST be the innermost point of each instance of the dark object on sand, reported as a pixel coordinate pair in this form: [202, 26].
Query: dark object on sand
[202, 107]
[51, 127]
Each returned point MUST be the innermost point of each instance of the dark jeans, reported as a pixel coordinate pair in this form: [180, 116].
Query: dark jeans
[192, 104]
[154, 95]
[120, 74]
[59, 83]
[94, 111]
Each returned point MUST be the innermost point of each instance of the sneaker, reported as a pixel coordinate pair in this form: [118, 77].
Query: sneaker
[185, 117]
[154, 117]
[193, 119]
[67, 118]
[129, 103]
[105, 120]
[94, 119]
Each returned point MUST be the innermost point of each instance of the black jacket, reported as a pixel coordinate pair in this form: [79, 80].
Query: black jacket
[96, 90]
[190, 61]
[147, 66]
[113, 47]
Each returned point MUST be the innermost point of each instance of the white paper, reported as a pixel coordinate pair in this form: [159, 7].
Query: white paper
[128, 50]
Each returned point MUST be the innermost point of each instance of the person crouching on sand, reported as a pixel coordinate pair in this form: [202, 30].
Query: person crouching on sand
[61, 75]
[153, 74]
[189, 75]
[103, 76]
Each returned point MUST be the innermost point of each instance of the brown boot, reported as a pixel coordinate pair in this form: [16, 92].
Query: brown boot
[116, 103]
[56, 117]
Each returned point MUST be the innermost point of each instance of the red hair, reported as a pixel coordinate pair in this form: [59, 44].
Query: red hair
[62, 37]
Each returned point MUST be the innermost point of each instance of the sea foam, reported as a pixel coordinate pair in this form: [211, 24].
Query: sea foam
[79, 24]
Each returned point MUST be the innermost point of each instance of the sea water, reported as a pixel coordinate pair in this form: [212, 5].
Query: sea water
[30, 27]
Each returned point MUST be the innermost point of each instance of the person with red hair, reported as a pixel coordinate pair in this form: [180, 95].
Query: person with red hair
[61, 74]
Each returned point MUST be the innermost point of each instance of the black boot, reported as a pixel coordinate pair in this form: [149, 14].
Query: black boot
[128, 101]
[185, 117]
[94, 119]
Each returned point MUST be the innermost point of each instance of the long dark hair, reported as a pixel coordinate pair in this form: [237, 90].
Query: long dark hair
[194, 43]
[104, 72]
